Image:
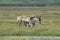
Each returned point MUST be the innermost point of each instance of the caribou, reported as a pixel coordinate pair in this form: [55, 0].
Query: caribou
[28, 20]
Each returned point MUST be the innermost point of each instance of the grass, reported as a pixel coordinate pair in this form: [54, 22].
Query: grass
[18, 38]
[50, 25]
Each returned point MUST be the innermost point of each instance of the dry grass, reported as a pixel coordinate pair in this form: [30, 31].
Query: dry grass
[18, 38]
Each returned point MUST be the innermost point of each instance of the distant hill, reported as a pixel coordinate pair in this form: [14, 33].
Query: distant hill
[27, 1]
[30, 2]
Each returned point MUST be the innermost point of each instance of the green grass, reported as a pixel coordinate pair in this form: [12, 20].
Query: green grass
[50, 25]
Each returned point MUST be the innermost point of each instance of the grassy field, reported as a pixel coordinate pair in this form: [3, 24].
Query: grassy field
[50, 23]
[21, 38]
[28, 39]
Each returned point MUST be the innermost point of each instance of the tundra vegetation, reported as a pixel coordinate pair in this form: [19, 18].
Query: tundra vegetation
[50, 24]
